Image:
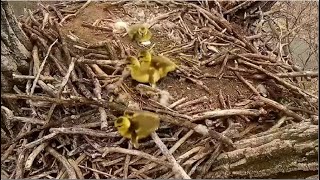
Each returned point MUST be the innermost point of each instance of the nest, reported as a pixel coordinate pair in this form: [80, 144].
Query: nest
[228, 86]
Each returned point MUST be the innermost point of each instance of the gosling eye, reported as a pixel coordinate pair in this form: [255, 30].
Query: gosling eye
[119, 121]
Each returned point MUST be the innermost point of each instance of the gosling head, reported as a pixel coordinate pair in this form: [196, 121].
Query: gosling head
[143, 31]
[133, 60]
[122, 123]
[145, 55]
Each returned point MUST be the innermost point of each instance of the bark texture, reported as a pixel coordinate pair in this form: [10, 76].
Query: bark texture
[15, 46]
[290, 152]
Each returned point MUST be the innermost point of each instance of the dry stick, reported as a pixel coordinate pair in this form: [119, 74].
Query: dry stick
[28, 120]
[171, 150]
[278, 124]
[155, 20]
[97, 93]
[76, 168]
[193, 169]
[58, 13]
[42, 175]
[34, 154]
[311, 74]
[107, 150]
[41, 67]
[100, 62]
[171, 113]
[21, 151]
[282, 82]
[206, 167]
[244, 81]
[224, 63]
[30, 77]
[63, 84]
[126, 163]
[282, 108]
[216, 17]
[84, 131]
[174, 104]
[96, 175]
[109, 29]
[78, 161]
[56, 123]
[234, 9]
[97, 171]
[187, 46]
[302, 110]
[36, 61]
[227, 112]
[75, 14]
[221, 100]
[45, 19]
[192, 102]
[64, 161]
[41, 140]
[65, 49]
[176, 167]
[8, 152]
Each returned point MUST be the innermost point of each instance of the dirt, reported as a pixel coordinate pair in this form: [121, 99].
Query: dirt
[178, 87]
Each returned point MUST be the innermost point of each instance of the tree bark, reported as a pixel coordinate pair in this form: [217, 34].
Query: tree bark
[15, 46]
[287, 152]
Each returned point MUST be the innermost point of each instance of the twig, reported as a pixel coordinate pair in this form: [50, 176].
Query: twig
[302, 110]
[97, 171]
[28, 120]
[280, 81]
[84, 131]
[63, 84]
[76, 13]
[253, 89]
[100, 62]
[40, 140]
[199, 128]
[97, 93]
[278, 124]
[171, 150]
[234, 9]
[171, 113]
[192, 102]
[184, 47]
[224, 63]
[174, 104]
[312, 74]
[42, 175]
[107, 150]
[282, 108]
[34, 154]
[206, 167]
[9, 150]
[41, 67]
[64, 161]
[44, 78]
[96, 175]
[74, 164]
[227, 112]
[176, 167]
[109, 29]
[126, 163]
